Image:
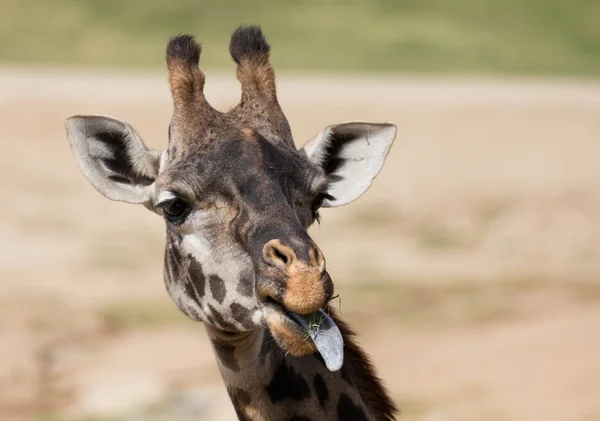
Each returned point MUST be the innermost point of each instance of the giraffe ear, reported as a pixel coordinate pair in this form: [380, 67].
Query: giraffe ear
[113, 157]
[351, 154]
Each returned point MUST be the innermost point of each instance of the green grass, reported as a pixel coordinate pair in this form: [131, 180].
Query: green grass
[531, 37]
[315, 320]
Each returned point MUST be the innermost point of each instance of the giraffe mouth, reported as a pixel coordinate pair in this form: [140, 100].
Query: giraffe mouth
[325, 334]
[302, 334]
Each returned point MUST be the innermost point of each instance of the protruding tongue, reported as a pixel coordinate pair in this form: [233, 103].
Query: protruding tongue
[325, 335]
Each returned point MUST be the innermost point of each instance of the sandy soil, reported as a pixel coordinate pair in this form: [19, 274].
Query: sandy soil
[471, 268]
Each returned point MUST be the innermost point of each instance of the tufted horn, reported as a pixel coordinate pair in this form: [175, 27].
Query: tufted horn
[185, 78]
[258, 108]
[194, 120]
[193, 116]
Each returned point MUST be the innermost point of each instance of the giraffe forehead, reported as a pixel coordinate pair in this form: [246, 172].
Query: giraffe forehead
[241, 168]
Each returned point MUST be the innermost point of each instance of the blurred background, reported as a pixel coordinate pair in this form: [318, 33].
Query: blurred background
[471, 269]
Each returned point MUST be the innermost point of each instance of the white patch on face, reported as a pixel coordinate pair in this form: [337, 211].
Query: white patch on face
[177, 291]
[178, 294]
[219, 255]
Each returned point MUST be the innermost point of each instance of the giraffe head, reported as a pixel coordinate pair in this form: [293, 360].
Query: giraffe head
[236, 195]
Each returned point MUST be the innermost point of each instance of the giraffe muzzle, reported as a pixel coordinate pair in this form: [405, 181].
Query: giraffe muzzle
[300, 286]
[295, 308]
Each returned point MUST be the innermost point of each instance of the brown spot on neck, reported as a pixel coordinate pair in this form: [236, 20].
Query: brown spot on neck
[304, 387]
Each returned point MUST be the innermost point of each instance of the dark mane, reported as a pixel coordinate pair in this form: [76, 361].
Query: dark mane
[363, 373]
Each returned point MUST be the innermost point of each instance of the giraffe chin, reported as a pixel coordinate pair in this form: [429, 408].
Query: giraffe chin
[302, 335]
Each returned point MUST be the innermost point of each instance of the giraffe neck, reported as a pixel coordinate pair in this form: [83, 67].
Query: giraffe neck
[266, 384]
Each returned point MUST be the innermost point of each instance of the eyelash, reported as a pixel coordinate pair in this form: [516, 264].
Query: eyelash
[316, 205]
[316, 216]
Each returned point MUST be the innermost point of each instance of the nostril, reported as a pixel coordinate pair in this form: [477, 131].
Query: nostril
[317, 258]
[277, 254]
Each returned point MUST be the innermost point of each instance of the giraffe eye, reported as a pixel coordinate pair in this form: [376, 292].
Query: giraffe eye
[175, 210]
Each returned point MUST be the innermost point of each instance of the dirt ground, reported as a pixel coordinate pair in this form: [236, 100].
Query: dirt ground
[471, 269]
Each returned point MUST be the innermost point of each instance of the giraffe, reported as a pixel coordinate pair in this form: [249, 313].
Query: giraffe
[237, 198]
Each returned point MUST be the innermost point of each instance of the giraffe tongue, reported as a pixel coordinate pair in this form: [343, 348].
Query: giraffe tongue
[325, 335]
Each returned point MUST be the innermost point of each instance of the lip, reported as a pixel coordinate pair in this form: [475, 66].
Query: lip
[290, 317]
[288, 334]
